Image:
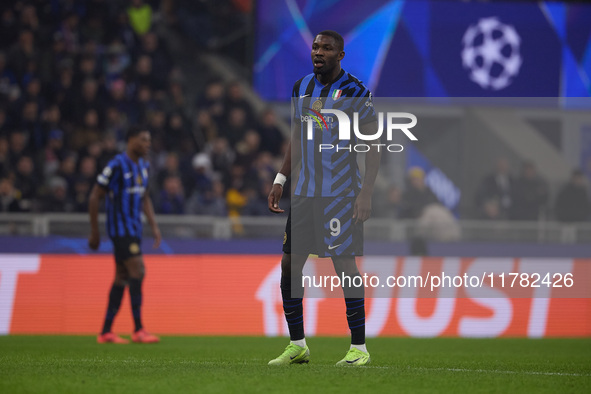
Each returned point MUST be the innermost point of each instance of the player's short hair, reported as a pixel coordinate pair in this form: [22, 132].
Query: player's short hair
[337, 37]
[133, 131]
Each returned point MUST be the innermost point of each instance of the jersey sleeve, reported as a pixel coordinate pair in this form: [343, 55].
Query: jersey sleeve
[295, 107]
[110, 173]
[364, 106]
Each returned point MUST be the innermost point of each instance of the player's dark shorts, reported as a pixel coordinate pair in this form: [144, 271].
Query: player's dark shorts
[126, 247]
[323, 226]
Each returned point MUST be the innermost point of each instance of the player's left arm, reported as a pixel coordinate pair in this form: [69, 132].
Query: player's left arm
[148, 208]
[362, 209]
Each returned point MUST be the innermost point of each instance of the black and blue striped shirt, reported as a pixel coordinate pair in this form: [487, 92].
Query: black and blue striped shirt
[329, 173]
[125, 182]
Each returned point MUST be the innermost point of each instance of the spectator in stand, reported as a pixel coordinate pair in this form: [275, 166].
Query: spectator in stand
[235, 99]
[210, 202]
[416, 196]
[530, 195]
[248, 149]
[496, 186]
[140, 17]
[57, 198]
[171, 168]
[200, 179]
[22, 53]
[573, 203]
[161, 60]
[9, 87]
[213, 101]
[271, 137]
[54, 153]
[205, 127]
[18, 147]
[235, 127]
[172, 199]
[10, 198]
[4, 157]
[88, 100]
[26, 182]
[388, 203]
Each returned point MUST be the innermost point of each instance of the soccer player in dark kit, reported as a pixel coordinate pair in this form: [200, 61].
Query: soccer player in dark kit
[329, 203]
[124, 183]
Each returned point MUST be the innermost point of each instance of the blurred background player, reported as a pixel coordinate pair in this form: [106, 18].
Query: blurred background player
[323, 203]
[124, 181]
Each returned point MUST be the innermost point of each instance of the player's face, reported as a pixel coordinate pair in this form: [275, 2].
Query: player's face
[326, 55]
[142, 143]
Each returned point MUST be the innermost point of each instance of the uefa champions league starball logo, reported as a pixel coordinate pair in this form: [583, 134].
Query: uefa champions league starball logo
[491, 53]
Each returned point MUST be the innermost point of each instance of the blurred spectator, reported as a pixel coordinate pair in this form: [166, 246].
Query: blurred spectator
[57, 199]
[171, 199]
[200, 179]
[496, 186]
[491, 210]
[437, 223]
[54, 153]
[18, 147]
[271, 137]
[9, 88]
[205, 127]
[171, 168]
[26, 182]
[22, 53]
[248, 149]
[222, 156]
[257, 204]
[4, 157]
[10, 197]
[416, 196]
[209, 202]
[573, 203]
[213, 101]
[387, 204]
[236, 126]
[140, 16]
[235, 100]
[529, 196]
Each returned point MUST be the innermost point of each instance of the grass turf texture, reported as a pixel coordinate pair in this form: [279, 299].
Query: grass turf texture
[75, 364]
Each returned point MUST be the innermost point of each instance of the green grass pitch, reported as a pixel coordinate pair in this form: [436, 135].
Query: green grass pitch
[76, 364]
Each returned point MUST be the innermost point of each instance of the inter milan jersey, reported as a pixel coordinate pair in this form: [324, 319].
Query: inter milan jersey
[125, 182]
[329, 172]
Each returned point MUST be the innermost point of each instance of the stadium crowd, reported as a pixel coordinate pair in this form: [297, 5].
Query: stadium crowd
[75, 74]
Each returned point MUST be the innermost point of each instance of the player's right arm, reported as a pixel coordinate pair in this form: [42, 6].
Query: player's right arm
[97, 195]
[94, 202]
[292, 157]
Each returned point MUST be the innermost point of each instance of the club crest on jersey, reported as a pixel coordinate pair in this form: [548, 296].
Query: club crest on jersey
[317, 105]
[336, 94]
[139, 180]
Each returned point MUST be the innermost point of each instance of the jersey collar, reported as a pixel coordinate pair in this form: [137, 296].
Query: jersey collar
[341, 74]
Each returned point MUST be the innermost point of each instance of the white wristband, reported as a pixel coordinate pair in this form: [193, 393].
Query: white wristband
[280, 179]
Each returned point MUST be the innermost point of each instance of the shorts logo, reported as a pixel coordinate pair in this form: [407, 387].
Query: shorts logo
[317, 105]
[134, 248]
[284, 238]
[331, 247]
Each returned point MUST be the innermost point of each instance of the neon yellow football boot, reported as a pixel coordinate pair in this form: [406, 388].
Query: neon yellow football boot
[293, 354]
[355, 357]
